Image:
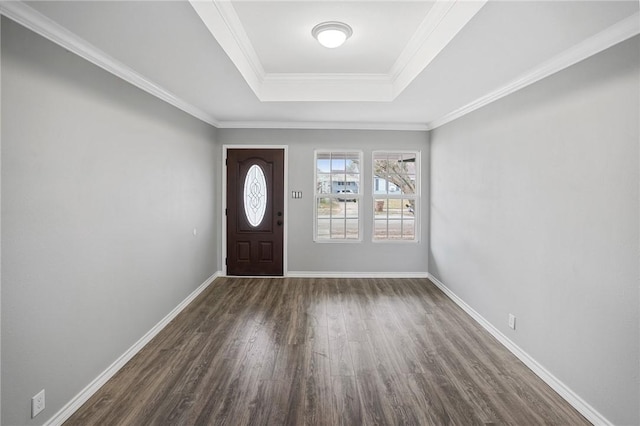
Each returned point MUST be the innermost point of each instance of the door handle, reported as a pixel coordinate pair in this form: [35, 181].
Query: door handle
[279, 222]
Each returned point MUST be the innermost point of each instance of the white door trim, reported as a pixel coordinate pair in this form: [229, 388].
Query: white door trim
[225, 148]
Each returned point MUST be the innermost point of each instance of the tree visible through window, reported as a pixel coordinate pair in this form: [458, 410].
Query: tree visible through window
[337, 195]
[395, 194]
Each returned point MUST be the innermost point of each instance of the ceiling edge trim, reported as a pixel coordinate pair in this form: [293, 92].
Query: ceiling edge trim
[234, 24]
[351, 77]
[617, 33]
[322, 125]
[51, 30]
[225, 27]
[442, 23]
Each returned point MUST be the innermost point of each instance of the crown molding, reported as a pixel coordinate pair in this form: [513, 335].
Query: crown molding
[42, 25]
[223, 23]
[322, 125]
[326, 88]
[605, 39]
[442, 22]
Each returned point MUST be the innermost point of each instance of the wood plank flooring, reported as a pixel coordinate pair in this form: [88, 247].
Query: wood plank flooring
[324, 352]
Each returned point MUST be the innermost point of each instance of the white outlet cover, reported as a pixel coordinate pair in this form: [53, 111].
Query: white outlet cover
[37, 403]
[512, 321]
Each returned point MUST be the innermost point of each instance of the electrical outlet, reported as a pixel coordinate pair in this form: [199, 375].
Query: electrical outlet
[37, 403]
[512, 321]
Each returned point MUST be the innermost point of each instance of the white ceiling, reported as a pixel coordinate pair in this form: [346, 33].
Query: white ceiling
[482, 52]
[280, 33]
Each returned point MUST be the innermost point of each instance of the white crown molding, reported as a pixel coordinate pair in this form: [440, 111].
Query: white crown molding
[321, 125]
[563, 390]
[40, 24]
[442, 22]
[326, 87]
[611, 36]
[223, 23]
[76, 402]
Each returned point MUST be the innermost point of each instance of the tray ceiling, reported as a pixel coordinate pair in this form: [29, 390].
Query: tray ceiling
[447, 58]
[271, 45]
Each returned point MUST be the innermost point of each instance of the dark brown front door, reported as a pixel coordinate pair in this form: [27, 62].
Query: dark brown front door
[255, 211]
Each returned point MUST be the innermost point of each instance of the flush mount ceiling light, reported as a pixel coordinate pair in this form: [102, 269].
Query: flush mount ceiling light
[331, 34]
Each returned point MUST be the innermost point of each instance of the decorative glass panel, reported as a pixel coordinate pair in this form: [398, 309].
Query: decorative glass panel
[255, 195]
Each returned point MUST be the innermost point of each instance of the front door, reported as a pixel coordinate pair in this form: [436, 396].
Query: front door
[255, 209]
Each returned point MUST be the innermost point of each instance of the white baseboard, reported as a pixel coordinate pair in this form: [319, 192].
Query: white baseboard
[563, 390]
[76, 402]
[318, 274]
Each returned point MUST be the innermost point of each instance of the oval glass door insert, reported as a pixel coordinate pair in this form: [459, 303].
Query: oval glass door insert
[255, 195]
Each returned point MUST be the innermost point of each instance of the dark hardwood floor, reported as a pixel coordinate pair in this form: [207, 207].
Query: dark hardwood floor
[324, 352]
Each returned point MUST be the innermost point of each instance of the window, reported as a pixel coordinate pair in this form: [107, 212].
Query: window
[338, 195]
[395, 195]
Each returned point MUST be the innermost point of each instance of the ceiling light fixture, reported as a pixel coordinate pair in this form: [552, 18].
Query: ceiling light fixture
[331, 34]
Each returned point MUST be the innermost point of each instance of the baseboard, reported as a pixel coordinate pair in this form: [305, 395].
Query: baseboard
[318, 274]
[563, 390]
[65, 412]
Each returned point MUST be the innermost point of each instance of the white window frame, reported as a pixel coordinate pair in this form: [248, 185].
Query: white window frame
[358, 196]
[415, 197]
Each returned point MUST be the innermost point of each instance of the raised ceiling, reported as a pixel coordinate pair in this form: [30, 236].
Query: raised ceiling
[271, 45]
[409, 65]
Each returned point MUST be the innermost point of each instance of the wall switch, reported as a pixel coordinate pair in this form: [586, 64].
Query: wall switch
[195, 232]
[37, 403]
[512, 321]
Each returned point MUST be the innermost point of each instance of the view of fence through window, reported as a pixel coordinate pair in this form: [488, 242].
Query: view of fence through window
[395, 183]
[338, 195]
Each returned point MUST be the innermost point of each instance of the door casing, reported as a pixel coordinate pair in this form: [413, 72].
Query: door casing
[285, 268]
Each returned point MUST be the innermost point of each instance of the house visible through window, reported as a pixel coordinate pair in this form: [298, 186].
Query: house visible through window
[338, 195]
[395, 195]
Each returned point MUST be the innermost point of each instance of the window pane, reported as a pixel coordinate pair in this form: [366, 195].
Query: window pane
[409, 163]
[326, 207]
[352, 162]
[323, 162]
[408, 229]
[323, 228]
[409, 208]
[351, 209]
[337, 183]
[337, 228]
[352, 182]
[352, 229]
[338, 176]
[379, 185]
[394, 208]
[402, 184]
[380, 229]
[323, 184]
[380, 206]
[338, 162]
[395, 229]
[394, 187]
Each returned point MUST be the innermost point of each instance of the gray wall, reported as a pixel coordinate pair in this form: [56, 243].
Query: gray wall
[534, 211]
[305, 255]
[102, 186]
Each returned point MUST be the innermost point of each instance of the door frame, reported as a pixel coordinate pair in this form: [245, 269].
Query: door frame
[285, 231]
